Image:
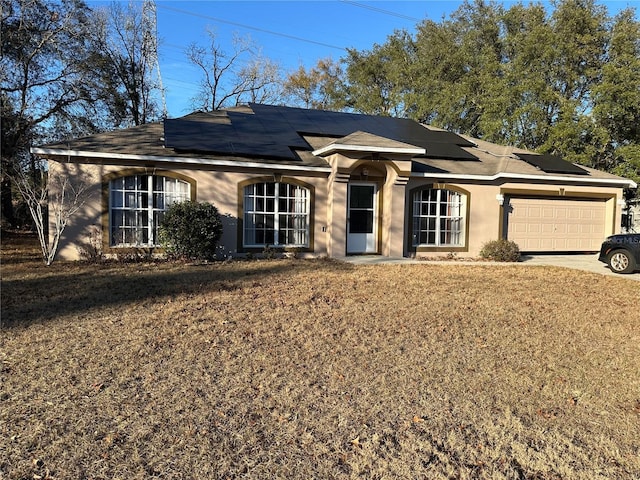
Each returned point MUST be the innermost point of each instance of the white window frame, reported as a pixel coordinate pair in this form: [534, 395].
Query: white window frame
[137, 205]
[447, 209]
[266, 211]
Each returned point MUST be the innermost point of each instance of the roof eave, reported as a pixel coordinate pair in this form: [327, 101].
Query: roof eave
[622, 182]
[334, 147]
[177, 160]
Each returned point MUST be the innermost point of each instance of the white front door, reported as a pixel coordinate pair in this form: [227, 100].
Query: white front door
[362, 218]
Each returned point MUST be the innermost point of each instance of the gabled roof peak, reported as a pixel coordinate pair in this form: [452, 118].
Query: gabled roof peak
[367, 142]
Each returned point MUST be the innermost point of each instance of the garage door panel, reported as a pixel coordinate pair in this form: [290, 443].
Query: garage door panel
[545, 243]
[543, 224]
[573, 244]
[548, 213]
[535, 212]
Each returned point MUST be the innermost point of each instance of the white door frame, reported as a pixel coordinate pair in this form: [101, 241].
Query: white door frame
[363, 220]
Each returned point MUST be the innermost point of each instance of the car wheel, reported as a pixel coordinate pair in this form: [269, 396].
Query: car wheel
[622, 262]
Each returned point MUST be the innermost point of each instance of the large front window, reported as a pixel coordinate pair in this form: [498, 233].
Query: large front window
[137, 205]
[438, 218]
[276, 214]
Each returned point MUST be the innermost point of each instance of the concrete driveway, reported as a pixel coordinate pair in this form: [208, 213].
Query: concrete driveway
[586, 262]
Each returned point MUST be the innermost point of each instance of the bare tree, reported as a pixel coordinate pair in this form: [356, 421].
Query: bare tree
[226, 82]
[53, 197]
[127, 60]
[262, 82]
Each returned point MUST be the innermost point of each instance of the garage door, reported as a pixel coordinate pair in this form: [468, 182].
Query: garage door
[555, 225]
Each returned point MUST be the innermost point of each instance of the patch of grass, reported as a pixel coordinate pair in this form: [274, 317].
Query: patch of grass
[19, 247]
[317, 369]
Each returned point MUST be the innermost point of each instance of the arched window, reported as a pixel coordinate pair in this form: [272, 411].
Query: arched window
[137, 204]
[438, 218]
[276, 214]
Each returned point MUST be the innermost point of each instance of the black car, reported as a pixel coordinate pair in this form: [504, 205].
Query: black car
[621, 252]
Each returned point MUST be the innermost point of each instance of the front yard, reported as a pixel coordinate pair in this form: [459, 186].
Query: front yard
[316, 369]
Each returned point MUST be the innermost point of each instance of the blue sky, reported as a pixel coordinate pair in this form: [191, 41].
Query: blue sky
[291, 33]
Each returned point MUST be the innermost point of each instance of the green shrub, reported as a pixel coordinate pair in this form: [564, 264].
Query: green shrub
[191, 230]
[501, 251]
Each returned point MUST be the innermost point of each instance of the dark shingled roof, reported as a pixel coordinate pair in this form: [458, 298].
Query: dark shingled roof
[251, 136]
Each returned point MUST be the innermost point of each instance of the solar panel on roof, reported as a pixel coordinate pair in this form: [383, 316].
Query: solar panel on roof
[419, 167]
[190, 135]
[448, 151]
[259, 149]
[274, 131]
[450, 137]
[246, 135]
[551, 164]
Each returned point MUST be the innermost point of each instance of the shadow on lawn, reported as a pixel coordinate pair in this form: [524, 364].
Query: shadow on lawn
[55, 292]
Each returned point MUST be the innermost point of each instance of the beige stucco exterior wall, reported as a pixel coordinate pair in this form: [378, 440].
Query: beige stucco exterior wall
[337, 215]
[329, 204]
[218, 187]
[393, 209]
[486, 215]
[80, 227]
[391, 177]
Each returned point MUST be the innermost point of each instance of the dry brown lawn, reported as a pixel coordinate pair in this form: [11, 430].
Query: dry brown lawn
[316, 369]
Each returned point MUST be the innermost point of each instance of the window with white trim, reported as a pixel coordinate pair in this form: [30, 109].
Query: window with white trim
[137, 204]
[438, 218]
[276, 214]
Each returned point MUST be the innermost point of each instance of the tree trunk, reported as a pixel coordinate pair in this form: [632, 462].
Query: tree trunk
[6, 202]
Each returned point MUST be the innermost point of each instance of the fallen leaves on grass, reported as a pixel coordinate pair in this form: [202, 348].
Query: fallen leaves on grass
[313, 369]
